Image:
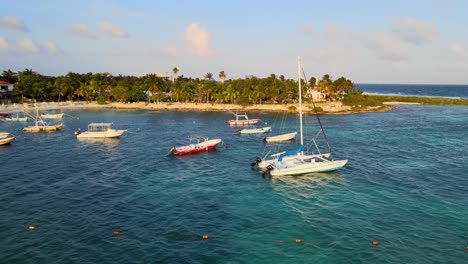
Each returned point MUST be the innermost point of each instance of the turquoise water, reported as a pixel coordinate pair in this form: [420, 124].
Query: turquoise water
[429, 90]
[405, 186]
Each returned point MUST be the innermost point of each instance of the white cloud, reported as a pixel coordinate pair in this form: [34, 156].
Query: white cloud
[51, 48]
[458, 50]
[198, 39]
[388, 47]
[412, 31]
[26, 46]
[112, 30]
[81, 31]
[3, 44]
[13, 22]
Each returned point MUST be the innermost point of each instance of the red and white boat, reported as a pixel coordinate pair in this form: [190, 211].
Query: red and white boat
[205, 145]
[242, 120]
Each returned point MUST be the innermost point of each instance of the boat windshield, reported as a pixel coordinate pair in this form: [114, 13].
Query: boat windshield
[99, 127]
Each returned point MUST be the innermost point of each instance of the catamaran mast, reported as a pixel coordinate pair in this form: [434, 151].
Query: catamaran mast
[300, 100]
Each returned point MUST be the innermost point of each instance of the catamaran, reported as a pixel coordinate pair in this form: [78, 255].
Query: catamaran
[41, 126]
[242, 120]
[295, 162]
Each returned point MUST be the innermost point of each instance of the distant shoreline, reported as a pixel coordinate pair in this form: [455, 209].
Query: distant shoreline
[337, 107]
[327, 107]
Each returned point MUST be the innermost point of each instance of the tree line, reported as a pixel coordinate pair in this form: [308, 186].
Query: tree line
[105, 87]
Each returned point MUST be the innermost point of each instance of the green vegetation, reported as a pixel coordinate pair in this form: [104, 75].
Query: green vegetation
[420, 100]
[357, 100]
[104, 87]
[317, 109]
[292, 108]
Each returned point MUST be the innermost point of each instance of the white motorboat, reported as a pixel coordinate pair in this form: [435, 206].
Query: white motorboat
[281, 138]
[99, 130]
[4, 134]
[52, 116]
[242, 120]
[252, 130]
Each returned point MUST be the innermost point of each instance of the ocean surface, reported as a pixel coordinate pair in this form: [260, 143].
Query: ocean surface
[431, 90]
[405, 186]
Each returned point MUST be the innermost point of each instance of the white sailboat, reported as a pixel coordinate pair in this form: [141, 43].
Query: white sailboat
[295, 162]
[253, 130]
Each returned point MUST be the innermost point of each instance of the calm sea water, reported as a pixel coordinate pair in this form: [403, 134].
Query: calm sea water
[433, 90]
[405, 186]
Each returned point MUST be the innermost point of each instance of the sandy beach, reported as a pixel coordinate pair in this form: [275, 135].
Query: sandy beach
[328, 107]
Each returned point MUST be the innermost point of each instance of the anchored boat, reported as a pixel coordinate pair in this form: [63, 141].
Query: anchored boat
[242, 120]
[294, 161]
[99, 130]
[203, 144]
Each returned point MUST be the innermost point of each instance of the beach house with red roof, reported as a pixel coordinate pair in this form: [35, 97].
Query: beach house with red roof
[6, 87]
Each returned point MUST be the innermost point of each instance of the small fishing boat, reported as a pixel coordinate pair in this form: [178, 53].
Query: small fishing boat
[252, 130]
[52, 115]
[99, 130]
[203, 144]
[16, 118]
[7, 140]
[281, 138]
[4, 134]
[242, 120]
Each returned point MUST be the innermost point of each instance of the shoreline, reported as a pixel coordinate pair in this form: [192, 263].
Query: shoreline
[327, 107]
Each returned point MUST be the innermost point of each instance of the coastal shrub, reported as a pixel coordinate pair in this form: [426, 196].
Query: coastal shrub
[101, 100]
[359, 101]
[292, 108]
[318, 109]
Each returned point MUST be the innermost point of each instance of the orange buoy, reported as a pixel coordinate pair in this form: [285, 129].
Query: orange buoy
[116, 232]
[297, 240]
[31, 227]
[466, 248]
[205, 236]
[375, 243]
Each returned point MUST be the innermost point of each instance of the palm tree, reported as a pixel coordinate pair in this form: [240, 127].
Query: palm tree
[174, 71]
[9, 76]
[209, 76]
[222, 76]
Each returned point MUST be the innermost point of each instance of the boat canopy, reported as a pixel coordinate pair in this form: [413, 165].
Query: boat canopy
[289, 152]
[98, 127]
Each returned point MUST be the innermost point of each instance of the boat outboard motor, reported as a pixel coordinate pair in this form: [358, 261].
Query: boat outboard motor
[257, 161]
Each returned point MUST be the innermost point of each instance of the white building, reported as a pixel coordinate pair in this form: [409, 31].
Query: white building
[316, 95]
[6, 87]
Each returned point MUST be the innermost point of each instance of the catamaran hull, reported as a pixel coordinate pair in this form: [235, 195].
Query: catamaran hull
[195, 148]
[308, 167]
[262, 165]
[42, 128]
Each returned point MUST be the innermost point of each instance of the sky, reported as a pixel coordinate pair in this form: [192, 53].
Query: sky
[385, 41]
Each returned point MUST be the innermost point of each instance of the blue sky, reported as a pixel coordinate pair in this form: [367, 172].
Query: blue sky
[366, 41]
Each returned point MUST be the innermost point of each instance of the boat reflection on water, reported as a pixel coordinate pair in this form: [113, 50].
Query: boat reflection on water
[308, 185]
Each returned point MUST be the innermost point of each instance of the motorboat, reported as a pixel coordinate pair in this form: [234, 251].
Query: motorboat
[99, 130]
[203, 144]
[242, 120]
